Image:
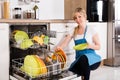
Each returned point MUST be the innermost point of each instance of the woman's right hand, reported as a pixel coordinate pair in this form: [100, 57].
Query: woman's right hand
[57, 48]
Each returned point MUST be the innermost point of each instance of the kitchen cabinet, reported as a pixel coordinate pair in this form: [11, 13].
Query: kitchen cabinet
[97, 10]
[70, 6]
[51, 9]
[4, 51]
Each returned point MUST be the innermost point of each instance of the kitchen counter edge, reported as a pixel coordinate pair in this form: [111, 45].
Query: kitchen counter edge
[35, 21]
[40, 21]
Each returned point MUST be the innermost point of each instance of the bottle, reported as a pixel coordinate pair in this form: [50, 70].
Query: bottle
[6, 7]
[0, 9]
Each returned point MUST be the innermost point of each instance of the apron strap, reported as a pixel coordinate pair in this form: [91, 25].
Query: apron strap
[85, 32]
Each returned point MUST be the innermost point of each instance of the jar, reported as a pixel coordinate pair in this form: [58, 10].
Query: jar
[29, 14]
[18, 12]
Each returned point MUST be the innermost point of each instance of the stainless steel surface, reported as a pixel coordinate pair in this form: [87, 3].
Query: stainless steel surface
[113, 52]
[13, 78]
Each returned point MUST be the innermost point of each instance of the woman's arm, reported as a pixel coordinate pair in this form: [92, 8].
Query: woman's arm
[65, 42]
[96, 41]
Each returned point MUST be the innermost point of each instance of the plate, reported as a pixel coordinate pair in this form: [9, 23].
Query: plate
[81, 46]
[61, 57]
[62, 60]
[60, 51]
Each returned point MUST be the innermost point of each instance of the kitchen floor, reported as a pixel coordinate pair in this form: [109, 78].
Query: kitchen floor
[102, 73]
[105, 73]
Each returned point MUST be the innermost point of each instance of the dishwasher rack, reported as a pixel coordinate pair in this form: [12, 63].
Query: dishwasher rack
[52, 70]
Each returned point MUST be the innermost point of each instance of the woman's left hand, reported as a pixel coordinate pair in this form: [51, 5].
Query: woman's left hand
[93, 46]
[90, 46]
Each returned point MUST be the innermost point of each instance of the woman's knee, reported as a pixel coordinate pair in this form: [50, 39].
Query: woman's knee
[95, 66]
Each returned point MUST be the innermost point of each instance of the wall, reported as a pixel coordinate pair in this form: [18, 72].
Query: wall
[48, 9]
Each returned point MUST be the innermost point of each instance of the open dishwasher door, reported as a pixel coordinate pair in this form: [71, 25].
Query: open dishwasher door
[4, 51]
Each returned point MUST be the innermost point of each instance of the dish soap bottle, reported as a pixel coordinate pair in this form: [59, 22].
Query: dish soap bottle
[36, 11]
[6, 14]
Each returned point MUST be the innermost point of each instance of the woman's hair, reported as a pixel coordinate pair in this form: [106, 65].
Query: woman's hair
[81, 11]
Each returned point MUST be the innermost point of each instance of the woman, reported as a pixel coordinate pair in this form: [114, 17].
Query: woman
[87, 59]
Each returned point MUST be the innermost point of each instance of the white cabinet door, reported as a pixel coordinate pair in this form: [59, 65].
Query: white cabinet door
[51, 9]
[101, 28]
[48, 9]
[4, 51]
[61, 31]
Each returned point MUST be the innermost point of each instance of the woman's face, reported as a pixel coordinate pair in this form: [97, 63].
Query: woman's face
[79, 18]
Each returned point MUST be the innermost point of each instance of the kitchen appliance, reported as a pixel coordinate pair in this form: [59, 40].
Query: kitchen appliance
[113, 52]
[97, 10]
[4, 51]
[55, 69]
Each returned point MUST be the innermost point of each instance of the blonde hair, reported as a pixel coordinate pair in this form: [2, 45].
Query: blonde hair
[80, 10]
[83, 12]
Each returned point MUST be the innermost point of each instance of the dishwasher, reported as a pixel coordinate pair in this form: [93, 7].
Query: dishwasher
[56, 66]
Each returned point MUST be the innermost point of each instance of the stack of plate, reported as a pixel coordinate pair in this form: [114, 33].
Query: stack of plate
[61, 56]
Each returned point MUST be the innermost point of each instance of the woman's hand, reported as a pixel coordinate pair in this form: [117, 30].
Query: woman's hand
[89, 46]
[96, 43]
[58, 48]
[93, 46]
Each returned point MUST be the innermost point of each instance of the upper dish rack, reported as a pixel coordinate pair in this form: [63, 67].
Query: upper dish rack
[34, 39]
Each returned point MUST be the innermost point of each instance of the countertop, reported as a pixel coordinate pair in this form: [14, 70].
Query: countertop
[35, 21]
[40, 21]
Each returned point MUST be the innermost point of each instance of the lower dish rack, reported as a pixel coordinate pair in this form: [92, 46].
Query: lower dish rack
[52, 70]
